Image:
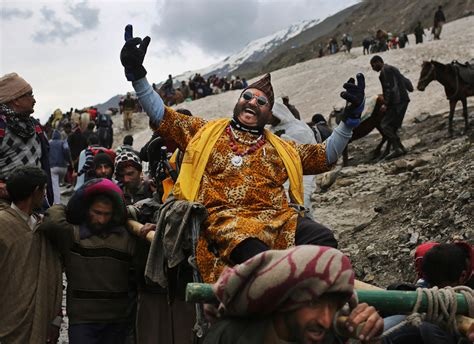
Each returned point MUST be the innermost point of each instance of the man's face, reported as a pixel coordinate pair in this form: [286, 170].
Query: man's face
[38, 197]
[99, 216]
[309, 324]
[250, 112]
[377, 66]
[131, 177]
[104, 171]
[24, 104]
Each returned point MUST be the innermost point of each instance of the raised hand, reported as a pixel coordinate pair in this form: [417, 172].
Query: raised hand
[355, 97]
[133, 53]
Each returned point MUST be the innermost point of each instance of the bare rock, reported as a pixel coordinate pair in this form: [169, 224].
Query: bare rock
[422, 117]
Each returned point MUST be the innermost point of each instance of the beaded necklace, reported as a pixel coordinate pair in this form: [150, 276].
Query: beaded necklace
[237, 159]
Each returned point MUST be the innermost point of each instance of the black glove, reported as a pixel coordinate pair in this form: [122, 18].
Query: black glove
[355, 100]
[133, 54]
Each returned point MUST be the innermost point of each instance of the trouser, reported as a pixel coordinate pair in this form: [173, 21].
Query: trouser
[57, 175]
[160, 322]
[392, 121]
[127, 119]
[308, 232]
[97, 333]
[437, 30]
[426, 333]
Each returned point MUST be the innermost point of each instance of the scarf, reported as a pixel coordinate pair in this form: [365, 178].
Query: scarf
[200, 147]
[19, 124]
[283, 280]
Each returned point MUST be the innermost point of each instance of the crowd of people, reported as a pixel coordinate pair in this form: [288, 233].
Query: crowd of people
[221, 201]
[382, 40]
[199, 87]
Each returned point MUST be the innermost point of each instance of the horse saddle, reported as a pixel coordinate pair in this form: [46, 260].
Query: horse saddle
[465, 71]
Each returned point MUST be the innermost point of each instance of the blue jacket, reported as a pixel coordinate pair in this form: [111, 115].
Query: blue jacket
[59, 154]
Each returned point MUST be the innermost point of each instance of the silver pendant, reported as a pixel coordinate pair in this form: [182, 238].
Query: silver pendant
[236, 160]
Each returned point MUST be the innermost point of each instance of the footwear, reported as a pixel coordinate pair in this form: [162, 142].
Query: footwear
[397, 152]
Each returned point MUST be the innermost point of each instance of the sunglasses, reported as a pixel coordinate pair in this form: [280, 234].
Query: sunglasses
[261, 100]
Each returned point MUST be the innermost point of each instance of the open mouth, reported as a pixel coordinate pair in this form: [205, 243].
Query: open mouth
[250, 111]
[315, 335]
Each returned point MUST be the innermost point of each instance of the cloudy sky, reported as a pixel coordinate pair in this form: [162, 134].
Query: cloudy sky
[69, 50]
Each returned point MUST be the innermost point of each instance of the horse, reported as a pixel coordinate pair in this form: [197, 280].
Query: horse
[171, 99]
[367, 124]
[455, 88]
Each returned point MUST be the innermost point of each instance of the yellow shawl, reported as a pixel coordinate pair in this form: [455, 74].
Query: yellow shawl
[200, 147]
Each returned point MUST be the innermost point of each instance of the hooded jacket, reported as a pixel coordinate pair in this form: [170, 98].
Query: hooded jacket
[293, 129]
[59, 153]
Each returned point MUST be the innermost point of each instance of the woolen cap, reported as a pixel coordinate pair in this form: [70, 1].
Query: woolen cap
[103, 158]
[12, 86]
[264, 85]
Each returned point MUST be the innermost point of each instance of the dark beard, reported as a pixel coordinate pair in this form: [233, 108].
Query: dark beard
[97, 229]
[239, 107]
[240, 126]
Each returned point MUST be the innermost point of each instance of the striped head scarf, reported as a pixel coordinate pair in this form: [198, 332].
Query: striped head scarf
[283, 280]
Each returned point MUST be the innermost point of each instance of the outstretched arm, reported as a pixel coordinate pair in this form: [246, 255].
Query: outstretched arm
[355, 102]
[150, 100]
[132, 56]
[318, 158]
[337, 142]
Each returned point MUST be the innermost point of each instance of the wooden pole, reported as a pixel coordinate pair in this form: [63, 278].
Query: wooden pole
[135, 226]
[387, 301]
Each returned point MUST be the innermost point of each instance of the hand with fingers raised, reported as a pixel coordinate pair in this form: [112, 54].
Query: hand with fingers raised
[133, 53]
[355, 98]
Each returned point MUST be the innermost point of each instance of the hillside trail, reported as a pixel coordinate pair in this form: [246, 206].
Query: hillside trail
[314, 86]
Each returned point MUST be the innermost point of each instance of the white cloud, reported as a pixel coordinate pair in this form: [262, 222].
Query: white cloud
[77, 64]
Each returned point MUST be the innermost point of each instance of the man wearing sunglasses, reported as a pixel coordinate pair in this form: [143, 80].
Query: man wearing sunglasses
[236, 168]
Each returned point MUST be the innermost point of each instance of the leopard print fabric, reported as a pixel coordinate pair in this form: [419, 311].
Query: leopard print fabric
[243, 202]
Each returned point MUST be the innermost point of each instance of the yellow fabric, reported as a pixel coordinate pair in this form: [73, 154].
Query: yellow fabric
[293, 165]
[173, 158]
[167, 188]
[200, 147]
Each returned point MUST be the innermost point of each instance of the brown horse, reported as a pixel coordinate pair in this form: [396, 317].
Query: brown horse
[455, 87]
[366, 126]
[171, 99]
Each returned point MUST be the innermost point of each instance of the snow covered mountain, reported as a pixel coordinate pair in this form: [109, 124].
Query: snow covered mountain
[254, 51]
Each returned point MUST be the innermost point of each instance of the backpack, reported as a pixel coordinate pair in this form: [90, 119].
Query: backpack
[96, 150]
[103, 120]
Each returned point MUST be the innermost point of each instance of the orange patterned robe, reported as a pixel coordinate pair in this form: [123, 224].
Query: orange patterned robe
[243, 202]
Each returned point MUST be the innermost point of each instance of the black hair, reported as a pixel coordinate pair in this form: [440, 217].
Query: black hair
[23, 180]
[184, 112]
[93, 139]
[444, 263]
[102, 198]
[128, 140]
[376, 58]
[318, 118]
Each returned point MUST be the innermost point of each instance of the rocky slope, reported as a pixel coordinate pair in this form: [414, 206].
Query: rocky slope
[382, 210]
